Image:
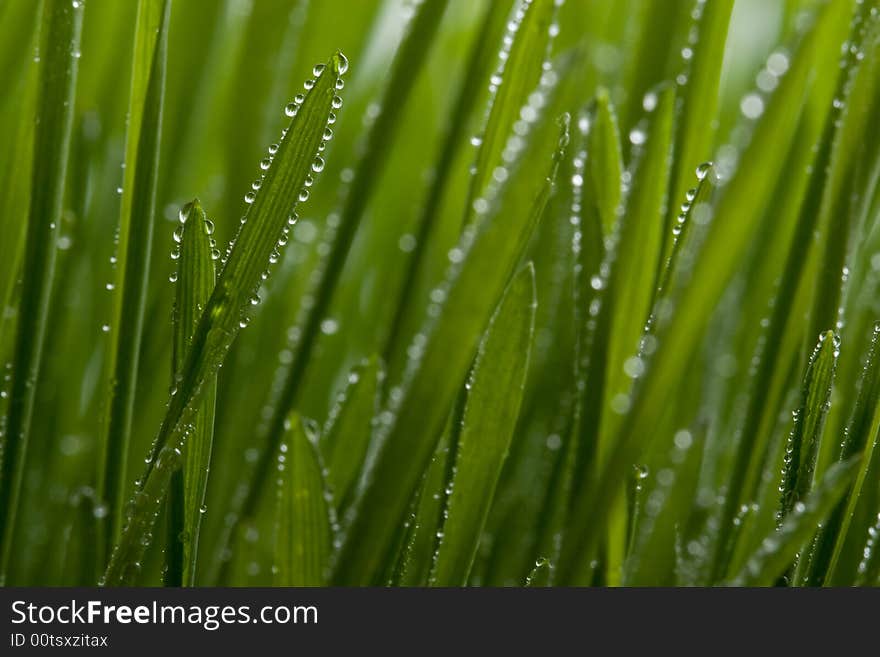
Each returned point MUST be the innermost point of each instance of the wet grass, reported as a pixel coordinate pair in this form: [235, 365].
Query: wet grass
[556, 295]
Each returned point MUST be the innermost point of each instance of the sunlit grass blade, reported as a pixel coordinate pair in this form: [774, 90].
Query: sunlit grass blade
[251, 252]
[523, 54]
[479, 270]
[61, 25]
[732, 225]
[802, 448]
[135, 236]
[408, 60]
[490, 415]
[304, 529]
[346, 435]
[779, 550]
[194, 282]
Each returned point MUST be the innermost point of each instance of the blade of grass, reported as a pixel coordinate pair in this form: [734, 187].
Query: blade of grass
[698, 92]
[346, 435]
[779, 550]
[802, 448]
[422, 535]
[490, 416]
[521, 66]
[135, 237]
[194, 282]
[604, 163]
[728, 236]
[488, 34]
[479, 270]
[859, 436]
[304, 530]
[251, 251]
[61, 26]
[408, 60]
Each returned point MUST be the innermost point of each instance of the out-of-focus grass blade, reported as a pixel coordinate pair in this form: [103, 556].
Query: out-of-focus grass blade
[479, 271]
[779, 550]
[522, 59]
[630, 288]
[860, 436]
[304, 530]
[494, 396]
[135, 237]
[861, 92]
[408, 61]
[604, 163]
[488, 34]
[15, 181]
[633, 260]
[651, 558]
[802, 448]
[61, 25]
[770, 381]
[194, 283]
[346, 434]
[727, 238]
[656, 52]
[426, 522]
[251, 251]
[697, 122]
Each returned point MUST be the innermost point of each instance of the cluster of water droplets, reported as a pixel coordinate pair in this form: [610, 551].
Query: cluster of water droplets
[291, 110]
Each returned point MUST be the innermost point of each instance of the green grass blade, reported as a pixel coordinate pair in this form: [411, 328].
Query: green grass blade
[630, 289]
[487, 37]
[860, 436]
[732, 225]
[137, 219]
[60, 33]
[304, 531]
[604, 163]
[194, 281]
[408, 61]
[779, 550]
[346, 434]
[16, 176]
[699, 94]
[802, 448]
[522, 59]
[421, 538]
[490, 416]
[480, 268]
[862, 88]
[251, 251]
